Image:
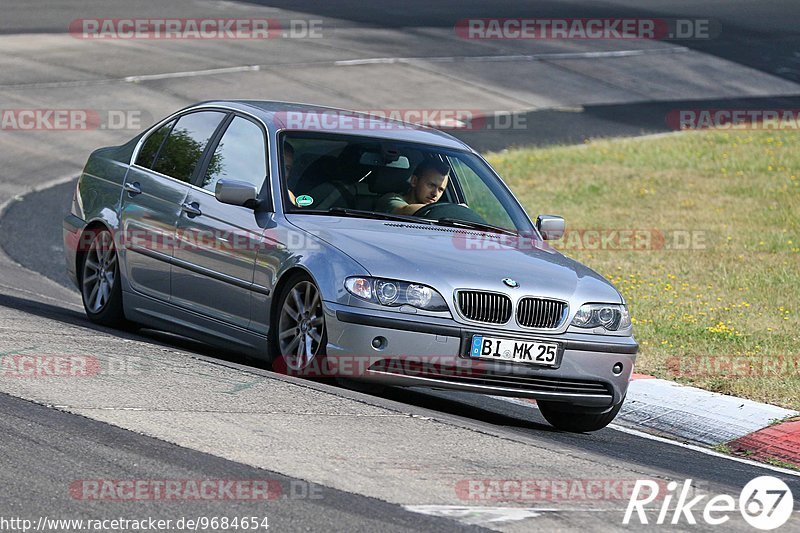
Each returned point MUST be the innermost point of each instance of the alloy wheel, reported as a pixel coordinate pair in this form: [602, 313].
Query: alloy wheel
[301, 326]
[99, 272]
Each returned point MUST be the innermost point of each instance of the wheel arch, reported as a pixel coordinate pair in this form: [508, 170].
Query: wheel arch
[279, 286]
[93, 227]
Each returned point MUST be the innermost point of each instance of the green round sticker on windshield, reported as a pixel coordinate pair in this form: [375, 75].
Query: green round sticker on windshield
[304, 200]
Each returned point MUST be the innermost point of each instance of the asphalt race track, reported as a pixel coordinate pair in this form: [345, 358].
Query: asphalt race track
[165, 408]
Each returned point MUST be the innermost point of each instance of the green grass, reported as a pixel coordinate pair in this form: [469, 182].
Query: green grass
[730, 298]
[723, 448]
[782, 464]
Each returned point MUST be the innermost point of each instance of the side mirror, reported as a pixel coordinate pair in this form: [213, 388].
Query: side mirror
[236, 193]
[550, 226]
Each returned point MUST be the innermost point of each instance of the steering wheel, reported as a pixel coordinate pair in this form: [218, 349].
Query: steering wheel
[439, 210]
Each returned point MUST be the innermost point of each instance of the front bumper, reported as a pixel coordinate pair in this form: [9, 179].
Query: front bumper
[432, 352]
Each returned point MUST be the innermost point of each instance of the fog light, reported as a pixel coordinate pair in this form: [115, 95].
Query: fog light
[379, 343]
[617, 369]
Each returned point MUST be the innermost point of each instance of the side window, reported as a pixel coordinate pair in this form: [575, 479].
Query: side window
[240, 156]
[184, 147]
[147, 154]
[479, 197]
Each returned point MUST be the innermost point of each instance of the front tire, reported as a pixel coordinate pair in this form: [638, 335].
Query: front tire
[574, 419]
[298, 336]
[101, 287]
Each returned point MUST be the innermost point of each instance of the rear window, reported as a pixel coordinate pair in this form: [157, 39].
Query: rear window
[184, 147]
[147, 155]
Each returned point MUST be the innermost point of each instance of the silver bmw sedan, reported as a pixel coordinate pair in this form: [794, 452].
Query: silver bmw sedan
[342, 245]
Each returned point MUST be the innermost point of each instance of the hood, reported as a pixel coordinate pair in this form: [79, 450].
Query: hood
[452, 258]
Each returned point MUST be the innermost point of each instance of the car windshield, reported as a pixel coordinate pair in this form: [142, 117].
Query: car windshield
[340, 175]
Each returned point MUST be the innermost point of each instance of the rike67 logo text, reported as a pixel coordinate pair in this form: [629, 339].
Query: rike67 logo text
[765, 503]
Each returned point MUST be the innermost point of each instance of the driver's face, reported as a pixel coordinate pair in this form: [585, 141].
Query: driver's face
[429, 187]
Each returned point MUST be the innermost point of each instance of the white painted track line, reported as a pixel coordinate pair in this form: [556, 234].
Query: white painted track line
[553, 56]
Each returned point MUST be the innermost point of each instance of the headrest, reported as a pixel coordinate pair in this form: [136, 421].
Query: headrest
[321, 170]
[388, 179]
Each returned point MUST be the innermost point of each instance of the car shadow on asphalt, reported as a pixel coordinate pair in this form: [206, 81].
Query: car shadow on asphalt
[162, 339]
[524, 418]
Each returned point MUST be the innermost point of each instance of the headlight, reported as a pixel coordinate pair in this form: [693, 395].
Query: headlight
[386, 291]
[393, 293]
[613, 317]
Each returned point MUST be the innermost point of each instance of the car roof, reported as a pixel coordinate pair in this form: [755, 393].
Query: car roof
[291, 116]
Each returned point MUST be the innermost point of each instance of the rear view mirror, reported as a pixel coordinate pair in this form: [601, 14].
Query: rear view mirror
[550, 226]
[374, 159]
[236, 193]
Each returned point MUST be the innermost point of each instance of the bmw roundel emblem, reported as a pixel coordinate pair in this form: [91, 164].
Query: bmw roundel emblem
[511, 283]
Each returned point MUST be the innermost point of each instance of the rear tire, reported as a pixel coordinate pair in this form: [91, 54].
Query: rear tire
[101, 287]
[568, 417]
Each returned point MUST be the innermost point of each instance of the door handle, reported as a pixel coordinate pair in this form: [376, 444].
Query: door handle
[133, 188]
[192, 210]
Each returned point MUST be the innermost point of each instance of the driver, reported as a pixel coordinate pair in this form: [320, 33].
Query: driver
[428, 182]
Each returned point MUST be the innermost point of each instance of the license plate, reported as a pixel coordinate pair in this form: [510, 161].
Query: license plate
[535, 353]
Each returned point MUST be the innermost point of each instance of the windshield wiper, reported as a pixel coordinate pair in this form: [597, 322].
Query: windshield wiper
[456, 222]
[346, 212]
